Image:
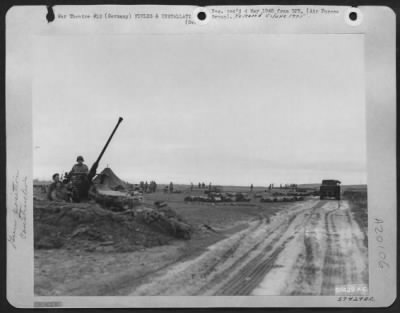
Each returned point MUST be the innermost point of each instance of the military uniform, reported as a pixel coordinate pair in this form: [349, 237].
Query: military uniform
[58, 192]
[80, 182]
[79, 169]
[52, 190]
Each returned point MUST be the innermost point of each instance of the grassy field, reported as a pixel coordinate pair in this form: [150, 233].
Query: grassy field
[219, 215]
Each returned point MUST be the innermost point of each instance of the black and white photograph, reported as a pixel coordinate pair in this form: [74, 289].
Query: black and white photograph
[239, 166]
[200, 164]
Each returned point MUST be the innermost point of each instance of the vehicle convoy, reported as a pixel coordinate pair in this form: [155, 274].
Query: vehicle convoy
[330, 188]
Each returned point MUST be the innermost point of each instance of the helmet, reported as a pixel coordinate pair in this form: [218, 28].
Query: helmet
[80, 158]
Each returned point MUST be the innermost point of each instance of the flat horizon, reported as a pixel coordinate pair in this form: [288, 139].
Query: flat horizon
[264, 115]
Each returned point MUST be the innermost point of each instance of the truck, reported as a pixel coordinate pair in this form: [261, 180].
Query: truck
[330, 188]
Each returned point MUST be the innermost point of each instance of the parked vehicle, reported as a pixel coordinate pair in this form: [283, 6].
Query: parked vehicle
[330, 188]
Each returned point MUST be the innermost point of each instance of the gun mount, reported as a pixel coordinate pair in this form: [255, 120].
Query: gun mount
[80, 184]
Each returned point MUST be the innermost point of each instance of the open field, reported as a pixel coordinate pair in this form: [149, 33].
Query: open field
[305, 247]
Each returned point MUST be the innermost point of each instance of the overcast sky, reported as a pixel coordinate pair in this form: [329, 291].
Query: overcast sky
[227, 109]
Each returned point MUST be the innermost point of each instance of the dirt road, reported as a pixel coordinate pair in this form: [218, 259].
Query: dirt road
[310, 248]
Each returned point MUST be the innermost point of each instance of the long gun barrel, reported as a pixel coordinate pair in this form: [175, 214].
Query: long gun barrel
[93, 169]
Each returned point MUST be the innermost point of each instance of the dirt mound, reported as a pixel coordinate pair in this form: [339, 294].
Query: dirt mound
[165, 220]
[90, 227]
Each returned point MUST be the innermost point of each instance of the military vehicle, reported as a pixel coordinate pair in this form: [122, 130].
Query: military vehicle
[330, 188]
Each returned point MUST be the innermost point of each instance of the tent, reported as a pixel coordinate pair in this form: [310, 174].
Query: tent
[108, 184]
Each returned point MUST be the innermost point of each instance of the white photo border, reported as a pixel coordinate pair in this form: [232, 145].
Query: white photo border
[24, 23]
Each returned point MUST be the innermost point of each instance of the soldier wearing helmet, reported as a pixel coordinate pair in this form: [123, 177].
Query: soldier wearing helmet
[79, 168]
[79, 180]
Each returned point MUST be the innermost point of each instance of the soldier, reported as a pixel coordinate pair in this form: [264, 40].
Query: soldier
[53, 186]
[154, 186]
[80, 180]
[79, 168]
[57, 191]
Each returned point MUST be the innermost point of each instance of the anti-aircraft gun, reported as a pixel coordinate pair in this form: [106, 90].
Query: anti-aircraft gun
[95, 165]
[82, 183]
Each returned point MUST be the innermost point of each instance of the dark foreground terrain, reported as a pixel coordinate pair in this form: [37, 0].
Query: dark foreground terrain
[281, 248]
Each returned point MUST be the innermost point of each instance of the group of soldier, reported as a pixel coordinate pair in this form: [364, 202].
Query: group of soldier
[64, 190]
[148, 187]
[201, 185]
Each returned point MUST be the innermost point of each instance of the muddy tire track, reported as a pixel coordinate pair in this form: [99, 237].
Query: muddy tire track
[253, 273]
[306, 272]
[221, 276]
[329, 263]
[339, 266]
[262, 221]
[251, 276]
[327, 252]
